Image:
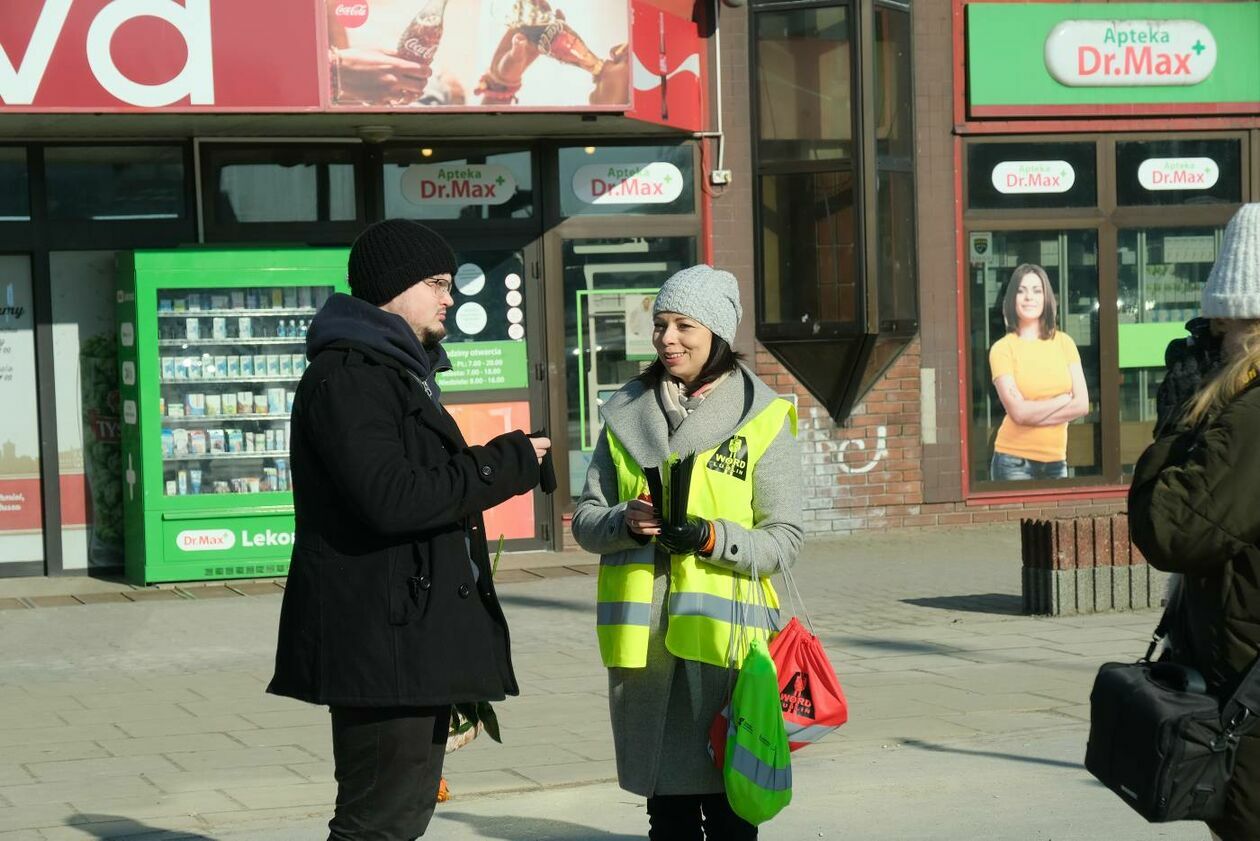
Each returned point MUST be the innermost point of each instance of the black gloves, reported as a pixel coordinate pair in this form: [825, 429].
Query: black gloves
[1188, 362]
[693, 537]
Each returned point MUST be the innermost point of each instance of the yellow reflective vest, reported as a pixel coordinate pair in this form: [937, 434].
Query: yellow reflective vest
[707, 601]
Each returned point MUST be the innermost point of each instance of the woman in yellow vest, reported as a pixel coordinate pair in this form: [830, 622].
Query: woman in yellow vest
[1037, 372]
[672, 598]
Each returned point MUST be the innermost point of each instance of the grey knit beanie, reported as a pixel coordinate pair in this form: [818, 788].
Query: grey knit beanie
[1233, 288]
[708, 295]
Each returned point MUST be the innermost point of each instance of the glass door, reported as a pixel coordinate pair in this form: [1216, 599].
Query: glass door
[497, 345]
[21, 490]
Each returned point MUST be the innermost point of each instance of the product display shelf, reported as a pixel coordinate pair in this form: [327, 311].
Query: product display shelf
[226, 456]
[283, 378]
[201, 420]
[268, 340]
[236, 312]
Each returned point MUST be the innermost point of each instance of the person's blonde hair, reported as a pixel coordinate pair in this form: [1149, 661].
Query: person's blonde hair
[1216, 393]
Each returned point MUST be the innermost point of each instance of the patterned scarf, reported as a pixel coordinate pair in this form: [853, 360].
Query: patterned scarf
[677, 405]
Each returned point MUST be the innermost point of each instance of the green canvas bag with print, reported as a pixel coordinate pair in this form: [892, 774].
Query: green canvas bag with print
[758, 766]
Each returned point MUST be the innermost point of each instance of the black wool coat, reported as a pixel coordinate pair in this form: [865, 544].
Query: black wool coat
[1193, 509]
[389, 600]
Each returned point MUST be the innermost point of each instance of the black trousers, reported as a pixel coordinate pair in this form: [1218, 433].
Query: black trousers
[388, 768]
[695, 817]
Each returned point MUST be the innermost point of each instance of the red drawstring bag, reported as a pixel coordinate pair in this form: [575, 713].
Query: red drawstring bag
[809, 691]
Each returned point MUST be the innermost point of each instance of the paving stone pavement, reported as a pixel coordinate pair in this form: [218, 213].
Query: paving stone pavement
[149, 720]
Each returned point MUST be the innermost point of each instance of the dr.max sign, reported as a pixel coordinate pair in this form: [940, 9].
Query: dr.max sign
[1106, 53]
[126, 55]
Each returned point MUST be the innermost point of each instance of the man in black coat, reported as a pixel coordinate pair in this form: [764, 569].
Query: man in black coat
[389, 614]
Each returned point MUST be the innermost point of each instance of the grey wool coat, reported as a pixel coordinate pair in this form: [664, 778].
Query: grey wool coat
[661, 714]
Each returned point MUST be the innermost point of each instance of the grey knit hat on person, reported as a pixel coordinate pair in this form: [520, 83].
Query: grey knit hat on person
[1233, 288]
[705, 294]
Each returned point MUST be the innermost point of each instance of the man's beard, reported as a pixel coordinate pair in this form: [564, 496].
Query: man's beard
[430, 336]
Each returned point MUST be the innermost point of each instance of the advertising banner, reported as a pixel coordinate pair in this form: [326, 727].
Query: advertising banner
[1045, 59]
[478, 54]
[21, 533]
[135, 55]
[480, 422]
[666, 65]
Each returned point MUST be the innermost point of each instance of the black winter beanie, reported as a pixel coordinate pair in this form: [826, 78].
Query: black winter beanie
[391, 256]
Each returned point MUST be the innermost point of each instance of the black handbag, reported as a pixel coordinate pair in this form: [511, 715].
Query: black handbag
[1160, 740]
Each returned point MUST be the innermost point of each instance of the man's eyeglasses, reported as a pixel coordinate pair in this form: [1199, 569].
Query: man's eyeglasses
[442, 287]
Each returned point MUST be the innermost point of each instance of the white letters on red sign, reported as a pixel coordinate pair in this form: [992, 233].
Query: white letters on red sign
[19, 85]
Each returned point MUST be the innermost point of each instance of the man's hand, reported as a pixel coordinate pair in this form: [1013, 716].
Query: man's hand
[695, 537]
[641, 518]
[541, 446]
[377, 77]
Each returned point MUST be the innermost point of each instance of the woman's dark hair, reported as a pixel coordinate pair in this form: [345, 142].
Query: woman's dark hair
[1049, 310]
[721, 359]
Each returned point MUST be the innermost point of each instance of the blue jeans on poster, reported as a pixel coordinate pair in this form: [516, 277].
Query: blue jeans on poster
[1008, 468]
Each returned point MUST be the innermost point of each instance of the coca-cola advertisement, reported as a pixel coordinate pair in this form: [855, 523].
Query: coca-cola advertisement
[479, 54]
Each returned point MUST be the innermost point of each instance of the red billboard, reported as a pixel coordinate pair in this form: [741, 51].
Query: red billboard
[140, 55]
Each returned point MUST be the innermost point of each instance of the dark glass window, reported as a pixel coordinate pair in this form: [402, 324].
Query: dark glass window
[1163, 172]
[615, 180]
[894, 93]
[15, 198]
[803, 85]
[438, 183]
[898, 284]
[809, 267]
[106, 183]
[1024, 175]
[249, 185]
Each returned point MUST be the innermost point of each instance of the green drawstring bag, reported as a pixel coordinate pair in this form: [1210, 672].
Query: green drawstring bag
[758, 764]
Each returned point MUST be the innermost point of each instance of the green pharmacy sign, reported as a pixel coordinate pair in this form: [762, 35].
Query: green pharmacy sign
[1040, 59]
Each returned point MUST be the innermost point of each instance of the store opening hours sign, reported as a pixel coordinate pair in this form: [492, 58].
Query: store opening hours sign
[124, 55]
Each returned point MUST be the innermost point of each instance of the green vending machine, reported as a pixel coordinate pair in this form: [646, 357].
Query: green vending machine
[212, 343]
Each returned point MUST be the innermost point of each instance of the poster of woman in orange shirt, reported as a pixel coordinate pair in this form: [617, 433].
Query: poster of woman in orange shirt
[1037, 372]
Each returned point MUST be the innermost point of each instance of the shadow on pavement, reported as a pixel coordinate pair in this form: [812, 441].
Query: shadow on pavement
[512, 828]
[1007, 604]
[118, 828]
[1012, 757]
[575, 605]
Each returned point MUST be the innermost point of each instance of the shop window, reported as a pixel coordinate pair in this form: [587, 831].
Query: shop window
[809, 267]
[1036, 343]
[1161, 273]
[15, 202]
[309, 191]
[619, 180]
[1164, 172]
[609, 286]
[436, 183]
[803, 85]
[21, 515]
[896, 264]
[894, 92]
[109, 183]
[1005, 176]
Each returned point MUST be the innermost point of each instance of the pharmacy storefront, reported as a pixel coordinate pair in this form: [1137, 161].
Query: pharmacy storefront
[565, 173]
[1108, 144]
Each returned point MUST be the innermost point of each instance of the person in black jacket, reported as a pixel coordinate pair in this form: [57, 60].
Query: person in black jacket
[389, 614]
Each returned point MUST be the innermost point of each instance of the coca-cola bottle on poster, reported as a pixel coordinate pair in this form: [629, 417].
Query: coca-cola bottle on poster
[547, 29]
[419, 41]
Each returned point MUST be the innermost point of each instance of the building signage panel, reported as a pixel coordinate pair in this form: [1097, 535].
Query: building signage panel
[136, 55]
[1178, 173]
[658, 182]
[1100, 53]
[1095, 59]
[1033, 177]
[458, 184]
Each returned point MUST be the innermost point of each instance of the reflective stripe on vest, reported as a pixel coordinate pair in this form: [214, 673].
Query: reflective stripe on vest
[704, 597]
